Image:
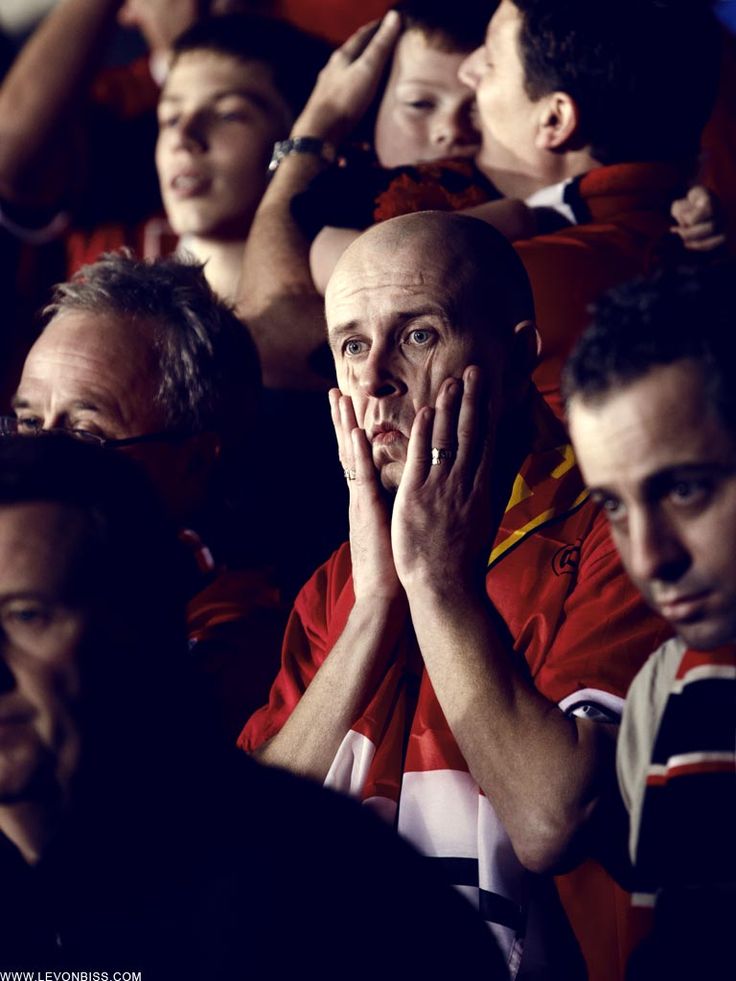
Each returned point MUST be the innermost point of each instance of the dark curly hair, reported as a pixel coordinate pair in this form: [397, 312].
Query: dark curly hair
[676, 315]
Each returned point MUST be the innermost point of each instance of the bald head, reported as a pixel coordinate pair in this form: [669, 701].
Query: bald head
[414, 302]
[472, 269]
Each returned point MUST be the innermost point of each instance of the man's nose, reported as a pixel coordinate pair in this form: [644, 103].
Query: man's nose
[657, 552]
[471, 68]
[379, 376]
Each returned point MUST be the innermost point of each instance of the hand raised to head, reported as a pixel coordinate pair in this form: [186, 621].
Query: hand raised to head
[349, 81]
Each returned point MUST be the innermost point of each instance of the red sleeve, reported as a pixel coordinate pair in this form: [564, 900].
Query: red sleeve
[606, 634]
[316, 621]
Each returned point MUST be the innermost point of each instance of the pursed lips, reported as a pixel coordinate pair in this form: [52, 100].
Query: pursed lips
[384, 433]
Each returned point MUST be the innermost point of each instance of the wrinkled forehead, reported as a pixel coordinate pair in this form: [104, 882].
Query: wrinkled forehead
[107, 359]
[374, 280]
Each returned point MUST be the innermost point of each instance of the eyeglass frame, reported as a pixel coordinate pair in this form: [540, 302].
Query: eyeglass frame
[84, 436]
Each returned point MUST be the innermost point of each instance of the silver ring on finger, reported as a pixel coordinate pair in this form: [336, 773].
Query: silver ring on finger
[440, 455]
[349, 473]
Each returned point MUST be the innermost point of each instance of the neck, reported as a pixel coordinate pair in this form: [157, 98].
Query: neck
[30, 826]
[556, 168]
[223, 261]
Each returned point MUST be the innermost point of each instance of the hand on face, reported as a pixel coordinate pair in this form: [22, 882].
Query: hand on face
[349, 81]
[442, 518]
[370, 534]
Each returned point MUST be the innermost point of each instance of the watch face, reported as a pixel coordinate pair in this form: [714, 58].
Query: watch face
[280, 150]
[301, 144]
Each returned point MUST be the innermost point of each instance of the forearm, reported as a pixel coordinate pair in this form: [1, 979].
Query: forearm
[43, 88]
[278, 299]
[540, 769]
[311, 737]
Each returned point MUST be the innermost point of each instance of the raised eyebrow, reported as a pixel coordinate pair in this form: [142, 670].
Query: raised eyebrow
[346, 328]
[334, 334]
[401, 319]
[663, 479]
[86, 406]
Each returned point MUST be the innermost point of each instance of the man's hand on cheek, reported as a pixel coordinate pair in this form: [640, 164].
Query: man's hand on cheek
[442, 520]
[374, 574]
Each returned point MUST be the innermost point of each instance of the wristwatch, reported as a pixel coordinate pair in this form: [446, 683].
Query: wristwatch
[302, 144]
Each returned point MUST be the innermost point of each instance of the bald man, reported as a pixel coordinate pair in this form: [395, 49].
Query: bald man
[456, 664]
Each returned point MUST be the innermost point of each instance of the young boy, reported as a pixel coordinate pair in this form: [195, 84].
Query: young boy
[234, 87]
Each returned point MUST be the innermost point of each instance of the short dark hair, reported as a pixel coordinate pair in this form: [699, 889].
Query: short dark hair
[677, 314]
[209, 367]
[293, 57]
[642, 72]
[125, 571]
[128, 572]
[458, 26]
[129, 544]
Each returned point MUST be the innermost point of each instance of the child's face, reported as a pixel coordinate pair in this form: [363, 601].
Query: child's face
[425, 113]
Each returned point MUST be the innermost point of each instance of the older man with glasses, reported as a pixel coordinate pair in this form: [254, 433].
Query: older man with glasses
[143, 357]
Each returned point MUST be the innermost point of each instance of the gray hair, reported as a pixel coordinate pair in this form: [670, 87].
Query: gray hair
[210, 374]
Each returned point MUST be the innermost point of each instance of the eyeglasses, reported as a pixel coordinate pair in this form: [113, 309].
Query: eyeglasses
[11, 426]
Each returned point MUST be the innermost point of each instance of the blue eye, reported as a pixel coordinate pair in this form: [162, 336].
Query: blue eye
[420, 336]
[353, 348]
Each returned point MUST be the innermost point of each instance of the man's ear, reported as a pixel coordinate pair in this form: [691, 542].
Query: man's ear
[558, 121]
[523, 357]
[527, 346]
